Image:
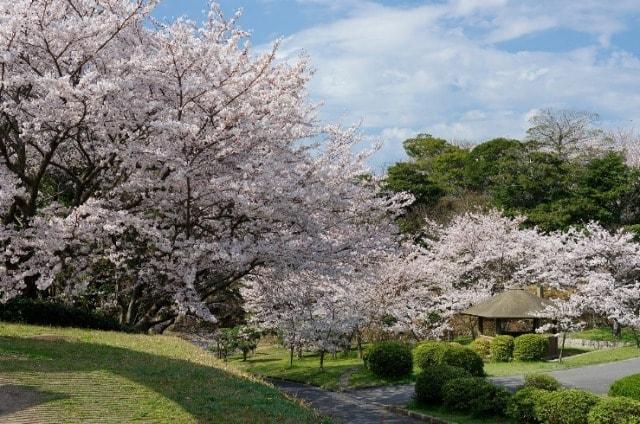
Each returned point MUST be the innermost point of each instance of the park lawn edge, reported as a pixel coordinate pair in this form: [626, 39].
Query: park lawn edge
[137, 376]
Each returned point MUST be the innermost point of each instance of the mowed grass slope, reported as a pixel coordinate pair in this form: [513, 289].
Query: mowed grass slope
[72, 375]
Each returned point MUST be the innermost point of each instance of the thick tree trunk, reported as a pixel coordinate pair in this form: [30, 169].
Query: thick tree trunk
[291, 356]
[322, 359]
[616, 329]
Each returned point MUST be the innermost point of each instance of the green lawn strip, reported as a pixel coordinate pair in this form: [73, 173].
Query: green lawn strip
[273, 361]
[604, 334]
[455, 417]
[117, 377]
[499, 369]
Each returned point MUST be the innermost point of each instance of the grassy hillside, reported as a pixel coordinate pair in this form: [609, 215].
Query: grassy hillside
[70, 375]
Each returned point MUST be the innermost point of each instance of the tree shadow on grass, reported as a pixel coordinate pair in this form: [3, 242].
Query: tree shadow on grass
[15, 398]
[207, 393]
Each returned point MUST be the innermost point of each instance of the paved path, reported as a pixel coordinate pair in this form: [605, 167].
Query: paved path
[594, 378]
[367, 405]
[344, 407]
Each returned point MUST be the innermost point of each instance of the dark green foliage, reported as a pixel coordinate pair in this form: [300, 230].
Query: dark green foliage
[554, 191]
[484, 161]
[429, 354]
[502, 348]
[430, 381]
[614, 410]
[628, 386]
[530, 347]
[542, 381]
[390, 359]
[42, 312]
[463, 357]
[476, 396]
[565, 406]
[522, 405]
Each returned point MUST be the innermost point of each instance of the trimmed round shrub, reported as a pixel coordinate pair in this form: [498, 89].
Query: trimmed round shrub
[430, 381]
[475, 395]
[542, 381]
[390, 359]
[482, 346]
[502, 348]
[565, 406]
[628, 386]
[428, 354]
[522, 404]
[530, 347]
[463, 357]
[614, 410]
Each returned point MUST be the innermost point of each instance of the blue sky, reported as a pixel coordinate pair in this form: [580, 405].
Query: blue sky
[467, 70]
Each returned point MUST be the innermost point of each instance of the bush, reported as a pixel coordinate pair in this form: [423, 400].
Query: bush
[530, 347]
[482, 346]
[502, 348]
[565, 406]
[522, 405]
[475, 395]
[431, 354]
[542, 381]
[614, 410]
[428, 354]
[628, 387]
[430, 381]
[390, 359]
[42, 312]
[463, 357]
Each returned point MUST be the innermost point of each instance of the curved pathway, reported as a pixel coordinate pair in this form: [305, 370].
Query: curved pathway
[368, 405]
[343, 407]
[593, 378]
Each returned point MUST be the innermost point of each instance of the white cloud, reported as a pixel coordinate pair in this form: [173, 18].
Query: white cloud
[434, 68]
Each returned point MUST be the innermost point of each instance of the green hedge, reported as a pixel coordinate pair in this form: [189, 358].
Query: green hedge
[42, 312]
[502, 348]
[430, 381]
[565, 406]
[530, 347]
[614, 410]
[430, 354]
[482, 346]
[542, 381]
[475, 395]
[627, 386]
[390, 359]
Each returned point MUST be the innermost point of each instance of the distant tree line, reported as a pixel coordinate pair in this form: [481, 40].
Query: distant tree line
[566, 172]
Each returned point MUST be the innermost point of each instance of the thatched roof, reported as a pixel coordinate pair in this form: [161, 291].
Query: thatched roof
[512, 303]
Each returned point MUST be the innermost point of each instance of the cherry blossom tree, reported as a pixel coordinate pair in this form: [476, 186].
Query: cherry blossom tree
[165, 162]
[565, 317]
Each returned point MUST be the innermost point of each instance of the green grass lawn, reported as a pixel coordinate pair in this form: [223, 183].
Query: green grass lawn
[73, 376]
[455, 417]
[273, 361]
[594, 357]
[604, 334]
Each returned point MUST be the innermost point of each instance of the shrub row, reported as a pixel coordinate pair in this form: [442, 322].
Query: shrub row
[531, 405]
[42, 312]
[432, 354]
[528, 347]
